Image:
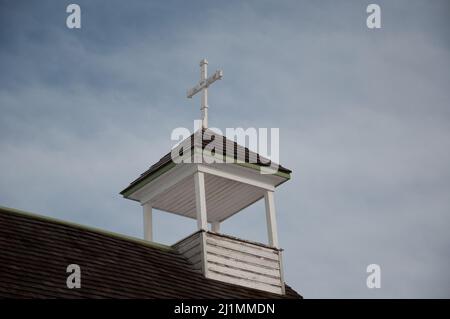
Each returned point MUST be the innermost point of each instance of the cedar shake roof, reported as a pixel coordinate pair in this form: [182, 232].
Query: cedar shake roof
[35, 252]
[238, 152]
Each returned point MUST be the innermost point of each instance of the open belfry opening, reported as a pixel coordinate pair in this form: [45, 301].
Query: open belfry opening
[209, 178]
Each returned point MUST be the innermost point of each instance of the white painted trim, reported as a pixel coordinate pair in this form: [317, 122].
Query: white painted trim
[283, 287]
[215, 227]
[148, 221]
[243, 176]
[271, 219]
[200, 201]
[204, 253]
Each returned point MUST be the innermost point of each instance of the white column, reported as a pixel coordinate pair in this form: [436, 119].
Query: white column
[148, 221]
[204, 106]
[271, 219]
[200, 200]
[215, 227]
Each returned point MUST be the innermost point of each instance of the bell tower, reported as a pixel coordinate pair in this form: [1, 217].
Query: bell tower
[210, 178]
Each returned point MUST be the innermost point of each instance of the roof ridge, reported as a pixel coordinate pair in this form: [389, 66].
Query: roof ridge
[14, 211]
[166, 163]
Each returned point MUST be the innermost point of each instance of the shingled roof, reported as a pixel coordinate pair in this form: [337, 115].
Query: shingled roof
[201, 140]
[36, 250]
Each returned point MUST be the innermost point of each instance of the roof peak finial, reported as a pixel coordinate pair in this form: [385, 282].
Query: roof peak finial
[203, 85]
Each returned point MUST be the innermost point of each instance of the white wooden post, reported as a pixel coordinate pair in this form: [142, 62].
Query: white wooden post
[215, 227]
[148, 221]
[204, 107]
[200, 200]
[271, 219]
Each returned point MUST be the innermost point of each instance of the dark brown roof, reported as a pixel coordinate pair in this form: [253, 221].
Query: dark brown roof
[220, 142]
[35, 252]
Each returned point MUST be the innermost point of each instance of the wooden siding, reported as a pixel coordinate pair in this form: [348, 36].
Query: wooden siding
[243, 263]
[234, 261]
[191, 249]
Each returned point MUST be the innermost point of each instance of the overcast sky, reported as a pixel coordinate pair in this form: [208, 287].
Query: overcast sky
[364, 118]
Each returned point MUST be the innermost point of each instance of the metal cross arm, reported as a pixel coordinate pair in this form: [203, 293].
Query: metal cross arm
[218, 75]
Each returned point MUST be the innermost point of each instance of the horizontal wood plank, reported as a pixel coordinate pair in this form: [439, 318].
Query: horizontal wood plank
[231, 271]
[243, 247]
[243, 265]
[250, 258]
[244, 282]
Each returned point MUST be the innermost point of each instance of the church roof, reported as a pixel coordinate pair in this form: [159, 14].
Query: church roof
[238, 152]
[36, 250]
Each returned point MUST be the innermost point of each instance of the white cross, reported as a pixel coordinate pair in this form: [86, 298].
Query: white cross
[203, 85]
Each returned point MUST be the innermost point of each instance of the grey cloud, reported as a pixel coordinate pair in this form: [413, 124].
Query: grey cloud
[363, 118]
